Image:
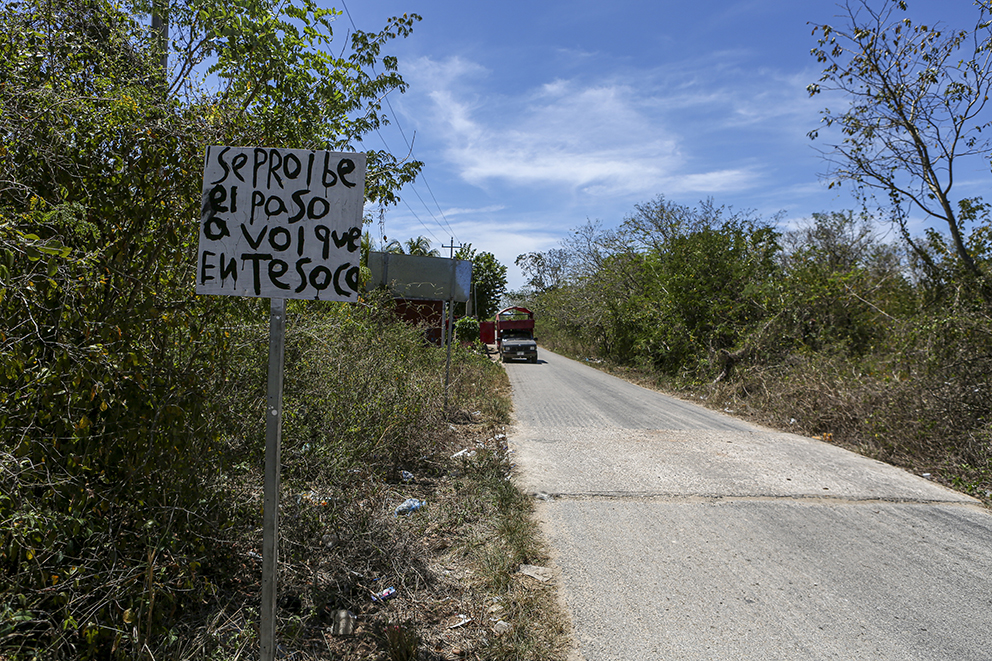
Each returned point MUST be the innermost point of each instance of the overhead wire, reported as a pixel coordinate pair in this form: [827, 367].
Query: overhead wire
[395, 119]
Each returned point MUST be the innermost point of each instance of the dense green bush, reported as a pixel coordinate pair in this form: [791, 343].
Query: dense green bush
[671, 287]
[360, 390]
[467, 329]
[114, 378]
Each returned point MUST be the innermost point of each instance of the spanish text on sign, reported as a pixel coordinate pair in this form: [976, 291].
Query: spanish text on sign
[281, 223]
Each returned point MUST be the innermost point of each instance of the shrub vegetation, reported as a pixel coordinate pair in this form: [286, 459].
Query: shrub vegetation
[826, 330]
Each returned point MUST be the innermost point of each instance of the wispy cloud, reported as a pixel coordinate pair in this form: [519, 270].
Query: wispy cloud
[460, 211]
[604, 138]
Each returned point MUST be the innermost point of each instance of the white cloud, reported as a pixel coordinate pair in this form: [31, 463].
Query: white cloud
[460, 211]
[591, 138]
[627, 136]
[720, 181]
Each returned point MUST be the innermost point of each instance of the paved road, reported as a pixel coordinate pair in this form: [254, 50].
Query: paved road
[681, 533]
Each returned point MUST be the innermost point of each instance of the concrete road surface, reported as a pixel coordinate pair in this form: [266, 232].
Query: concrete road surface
[681, 533]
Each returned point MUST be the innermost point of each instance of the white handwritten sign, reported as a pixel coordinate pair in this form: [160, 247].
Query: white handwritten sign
[281, 223]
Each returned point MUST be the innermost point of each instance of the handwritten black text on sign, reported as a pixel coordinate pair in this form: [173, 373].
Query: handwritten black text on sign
[281, 223]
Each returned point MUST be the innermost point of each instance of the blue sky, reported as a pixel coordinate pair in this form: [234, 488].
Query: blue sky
[534, 117]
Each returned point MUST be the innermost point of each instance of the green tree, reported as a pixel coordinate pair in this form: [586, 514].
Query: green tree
[841, 286]
[421, 246]
[919, 96]
[394, 247]
[110, 366]
[545, 270]
[671, 286]
[488, 280]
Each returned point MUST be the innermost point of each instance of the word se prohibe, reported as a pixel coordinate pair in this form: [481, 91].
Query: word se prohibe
[281, 223]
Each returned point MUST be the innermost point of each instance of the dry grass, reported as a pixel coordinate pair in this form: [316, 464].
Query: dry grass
[910, 410]
[364, 430]
[452, 564]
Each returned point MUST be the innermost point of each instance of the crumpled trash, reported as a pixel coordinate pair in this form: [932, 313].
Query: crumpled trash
[409, 505]
[462, 621]
[467, 453]
[344, 623]
[542, 574]
[406, 476]
[384, 595]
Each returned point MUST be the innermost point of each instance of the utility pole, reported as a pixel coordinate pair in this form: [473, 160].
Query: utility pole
[447, 332]
[160, 25]
[452, 246]
[450, 326]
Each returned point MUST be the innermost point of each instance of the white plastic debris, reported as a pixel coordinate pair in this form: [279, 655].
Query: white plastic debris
[542, 574]
[409, 505]
[462, 621]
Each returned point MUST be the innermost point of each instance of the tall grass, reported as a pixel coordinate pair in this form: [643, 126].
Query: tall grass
[362, 409]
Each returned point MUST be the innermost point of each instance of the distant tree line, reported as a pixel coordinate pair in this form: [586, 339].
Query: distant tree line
[825, 328]
[887, 344]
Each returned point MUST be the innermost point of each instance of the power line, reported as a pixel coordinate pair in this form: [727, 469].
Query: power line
[407, 204]
[395, 119]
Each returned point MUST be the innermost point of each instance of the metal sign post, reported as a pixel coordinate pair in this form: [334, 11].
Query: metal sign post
[449, 322]
[273, 443]
[279, 224]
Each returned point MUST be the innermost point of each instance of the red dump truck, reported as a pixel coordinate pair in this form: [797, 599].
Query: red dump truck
[515, 334]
